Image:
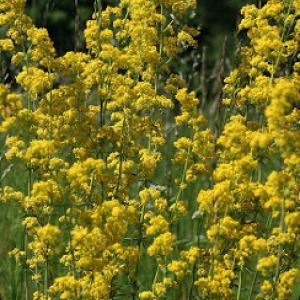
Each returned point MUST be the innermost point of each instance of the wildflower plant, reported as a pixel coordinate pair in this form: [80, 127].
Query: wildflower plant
[115, 149]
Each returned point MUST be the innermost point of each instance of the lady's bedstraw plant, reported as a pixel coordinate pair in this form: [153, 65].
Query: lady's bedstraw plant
[253, 206]
[89, 129]
[110, 185]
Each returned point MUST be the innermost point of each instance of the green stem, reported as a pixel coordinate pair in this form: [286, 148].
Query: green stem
[26, 270]
[240, 285]
[183, 173]
[155, 278]
[282, 213]
[46, 279]
[253, 285]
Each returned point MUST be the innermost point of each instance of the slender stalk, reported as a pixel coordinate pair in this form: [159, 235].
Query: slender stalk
[46, 278]
[155, 278]
[190, 297]
[183, 173]
[253, 285]
[277, 271]
[121, 159]
[26, 270]
[29, 184]
[238, 297]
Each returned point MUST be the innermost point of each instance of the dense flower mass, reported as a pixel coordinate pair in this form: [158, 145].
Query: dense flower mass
[104, 199]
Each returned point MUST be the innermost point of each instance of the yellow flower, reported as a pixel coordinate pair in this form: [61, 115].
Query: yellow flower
[162, 245]
[147, 295]
[267, 287]
[35, 81]
[287, 281]
[158, 224]
[179, 268]
[267, 264]
[6, 45]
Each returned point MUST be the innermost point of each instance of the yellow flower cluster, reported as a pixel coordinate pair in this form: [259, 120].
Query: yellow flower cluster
[104, 195]
[252, 207]
[89, 131]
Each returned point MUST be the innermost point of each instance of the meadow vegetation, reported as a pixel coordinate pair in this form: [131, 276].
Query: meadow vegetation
[115, 181]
